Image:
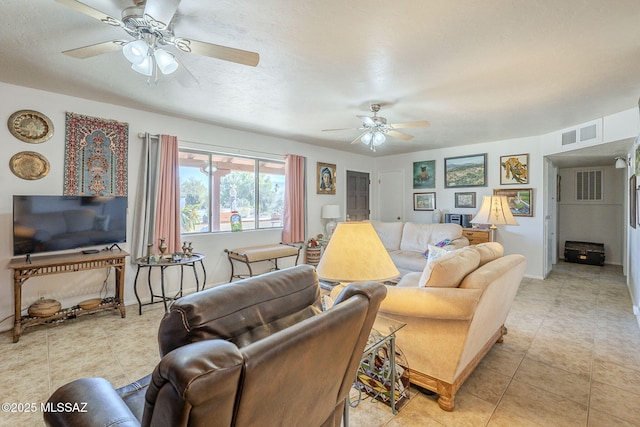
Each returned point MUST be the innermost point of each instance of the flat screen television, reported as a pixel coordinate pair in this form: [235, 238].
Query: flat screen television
[56, 223]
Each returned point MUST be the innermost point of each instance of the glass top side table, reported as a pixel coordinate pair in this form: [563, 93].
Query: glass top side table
[164, 263]
[379, 356]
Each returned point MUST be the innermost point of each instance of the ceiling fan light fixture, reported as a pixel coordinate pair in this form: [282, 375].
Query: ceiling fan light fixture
[145, 67]
[378, 138]
[366, 138]
[136, 51]
[167, 63]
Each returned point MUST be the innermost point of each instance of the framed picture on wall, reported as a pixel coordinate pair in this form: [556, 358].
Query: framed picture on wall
[465, 200]
[514, 169]
[520, 200]
[326, 178]
[424, 174]
[424, 201]
[466, 171]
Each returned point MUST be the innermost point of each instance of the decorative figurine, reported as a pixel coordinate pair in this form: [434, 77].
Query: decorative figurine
[163, 246]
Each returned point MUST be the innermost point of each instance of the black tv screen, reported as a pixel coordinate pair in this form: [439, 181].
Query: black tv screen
[56, 223]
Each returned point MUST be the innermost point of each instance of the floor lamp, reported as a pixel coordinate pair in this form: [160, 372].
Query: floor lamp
[495, 211]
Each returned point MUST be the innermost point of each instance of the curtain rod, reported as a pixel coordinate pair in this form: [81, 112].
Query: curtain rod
[224, 149]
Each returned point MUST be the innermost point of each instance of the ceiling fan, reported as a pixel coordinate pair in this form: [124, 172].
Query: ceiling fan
[375, 129]
[150, 24]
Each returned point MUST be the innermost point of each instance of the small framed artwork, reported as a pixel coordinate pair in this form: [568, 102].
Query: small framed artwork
[466, 171]
[424, 174]
[514, 169]
[326, 178]
[465, 200]
[520, 200]
[424, 201]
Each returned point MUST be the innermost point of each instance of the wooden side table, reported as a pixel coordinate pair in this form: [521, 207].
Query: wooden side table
[477, 235]
[24, 269]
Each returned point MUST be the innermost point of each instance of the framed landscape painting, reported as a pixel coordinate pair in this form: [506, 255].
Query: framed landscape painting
[514, 169]
[465, 200]
[466, 171]
[424, 201]
[424, 174]
[520, 200]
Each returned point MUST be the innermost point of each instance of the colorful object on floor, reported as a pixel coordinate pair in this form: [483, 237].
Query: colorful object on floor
[95, 159]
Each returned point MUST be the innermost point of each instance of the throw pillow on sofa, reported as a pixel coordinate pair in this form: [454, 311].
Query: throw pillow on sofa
[448, 270]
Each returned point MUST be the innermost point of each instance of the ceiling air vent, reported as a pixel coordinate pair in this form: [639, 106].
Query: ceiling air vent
[589, 185]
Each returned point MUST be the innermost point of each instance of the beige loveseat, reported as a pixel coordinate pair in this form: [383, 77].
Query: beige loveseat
[407, 242]
[454, 318]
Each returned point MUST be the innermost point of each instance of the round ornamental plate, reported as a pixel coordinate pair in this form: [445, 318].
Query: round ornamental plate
[30, 126]
[29, 165]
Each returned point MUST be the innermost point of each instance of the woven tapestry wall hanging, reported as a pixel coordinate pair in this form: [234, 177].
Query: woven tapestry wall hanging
[95, 156]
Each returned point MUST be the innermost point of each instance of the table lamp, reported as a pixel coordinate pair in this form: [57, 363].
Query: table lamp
[355, 254]
[330, 212]
[495, 211]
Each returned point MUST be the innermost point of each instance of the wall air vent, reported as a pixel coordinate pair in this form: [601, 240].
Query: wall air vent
[589, 185]
[587, 133]
[569, 137]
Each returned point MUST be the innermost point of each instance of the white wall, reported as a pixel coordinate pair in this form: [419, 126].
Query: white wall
[527, 238]
[74, 287]
[594, 221]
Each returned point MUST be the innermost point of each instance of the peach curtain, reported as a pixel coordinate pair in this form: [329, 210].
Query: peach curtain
[167, 218]
[294, 200]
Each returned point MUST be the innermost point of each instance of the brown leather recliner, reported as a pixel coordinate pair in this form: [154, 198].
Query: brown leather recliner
[256, 352]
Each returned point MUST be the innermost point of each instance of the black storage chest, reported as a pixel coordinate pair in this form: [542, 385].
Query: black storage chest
[584, 252]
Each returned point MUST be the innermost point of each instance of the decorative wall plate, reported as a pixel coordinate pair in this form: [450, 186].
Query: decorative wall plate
[30, 126]
[29, 165]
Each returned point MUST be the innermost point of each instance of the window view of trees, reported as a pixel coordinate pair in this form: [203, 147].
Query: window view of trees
[213, 186]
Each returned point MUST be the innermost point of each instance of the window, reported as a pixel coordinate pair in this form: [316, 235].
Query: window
[213, 186]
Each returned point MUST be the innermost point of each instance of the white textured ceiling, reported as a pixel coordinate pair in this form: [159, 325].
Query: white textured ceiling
[478, 71]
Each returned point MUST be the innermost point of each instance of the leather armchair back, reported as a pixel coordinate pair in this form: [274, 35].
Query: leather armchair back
[254, 352]
[292, 354]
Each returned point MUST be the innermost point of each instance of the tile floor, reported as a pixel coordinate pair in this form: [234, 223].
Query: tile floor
[571, 358]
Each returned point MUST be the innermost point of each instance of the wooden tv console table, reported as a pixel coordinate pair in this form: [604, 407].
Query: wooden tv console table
[67, 263]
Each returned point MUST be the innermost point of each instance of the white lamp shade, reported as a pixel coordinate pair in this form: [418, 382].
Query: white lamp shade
[621, 163]
[166, 61]
[145, 67]
[355, 253]
[378, 139]
[495, 211]
[331, 211]
[366, 138]
[135, 51]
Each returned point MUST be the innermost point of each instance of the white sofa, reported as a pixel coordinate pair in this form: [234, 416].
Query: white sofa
[408, 241]
[455, 317]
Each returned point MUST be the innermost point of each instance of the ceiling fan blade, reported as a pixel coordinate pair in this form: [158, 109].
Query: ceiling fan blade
[330, 130]
[89, 11]
[357, 140]
[95, 49]
[400, 135]
[184, 76]
[422, 124]
[159, 13]
[367, 120]
[216, 51]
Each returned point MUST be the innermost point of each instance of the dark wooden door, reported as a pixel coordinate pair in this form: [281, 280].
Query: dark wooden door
[357, 196]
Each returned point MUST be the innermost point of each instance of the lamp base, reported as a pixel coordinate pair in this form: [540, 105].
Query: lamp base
[330, 228]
